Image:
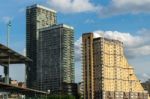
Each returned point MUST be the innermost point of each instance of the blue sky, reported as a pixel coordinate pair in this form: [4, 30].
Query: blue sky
[126, 20]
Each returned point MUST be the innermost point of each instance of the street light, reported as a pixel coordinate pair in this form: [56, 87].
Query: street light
[48, 91]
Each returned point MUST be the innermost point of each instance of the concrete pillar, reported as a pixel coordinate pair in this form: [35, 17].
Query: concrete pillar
[6, 73]
[6, 80]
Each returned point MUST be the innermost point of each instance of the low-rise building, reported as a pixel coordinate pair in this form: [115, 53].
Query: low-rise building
[81, 89]
[70, 89]
[146, 85]
[14, 82]
[22, 84]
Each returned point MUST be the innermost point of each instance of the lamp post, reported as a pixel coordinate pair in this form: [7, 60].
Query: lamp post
[48, 92]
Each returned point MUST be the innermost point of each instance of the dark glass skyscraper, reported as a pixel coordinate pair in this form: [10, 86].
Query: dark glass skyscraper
[56, 57]
[51, 47]
[37, 17]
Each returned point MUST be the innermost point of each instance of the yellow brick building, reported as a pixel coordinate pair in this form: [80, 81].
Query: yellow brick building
[106, 72]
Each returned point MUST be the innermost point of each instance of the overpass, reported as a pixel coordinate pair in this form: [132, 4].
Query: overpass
[7, 57]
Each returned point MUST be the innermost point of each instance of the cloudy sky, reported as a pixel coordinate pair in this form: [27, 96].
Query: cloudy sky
[125, 20]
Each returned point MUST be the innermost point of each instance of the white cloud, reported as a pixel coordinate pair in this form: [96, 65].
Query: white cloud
[78, 71]
[114, 7]
[126, 38]
[134, 45]
[78, 49]
[144, 77]
[73, 6]
[143, 50]
[118, 7]
[24, 52]
[131, 2]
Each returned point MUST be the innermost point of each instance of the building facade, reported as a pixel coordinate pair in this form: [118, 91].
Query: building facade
[106, 72]
[37, 17]
[81, 89]
[88, 69]
[71, 89]
[56, 57]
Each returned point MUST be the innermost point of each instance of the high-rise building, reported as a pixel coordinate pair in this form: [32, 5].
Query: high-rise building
[37, 17]
[88, 69]
[106, 72]
[55, 57]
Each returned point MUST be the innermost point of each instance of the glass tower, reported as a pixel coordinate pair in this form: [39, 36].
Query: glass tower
[56, 62]
[37, 17]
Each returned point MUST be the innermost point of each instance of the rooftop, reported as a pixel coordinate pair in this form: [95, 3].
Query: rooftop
[42, 7]
[108, 39]
[57, 26]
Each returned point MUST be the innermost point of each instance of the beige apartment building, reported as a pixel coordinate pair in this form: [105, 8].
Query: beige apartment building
[106, 71]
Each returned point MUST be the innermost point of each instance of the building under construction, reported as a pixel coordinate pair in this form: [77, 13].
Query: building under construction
[106, 72]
